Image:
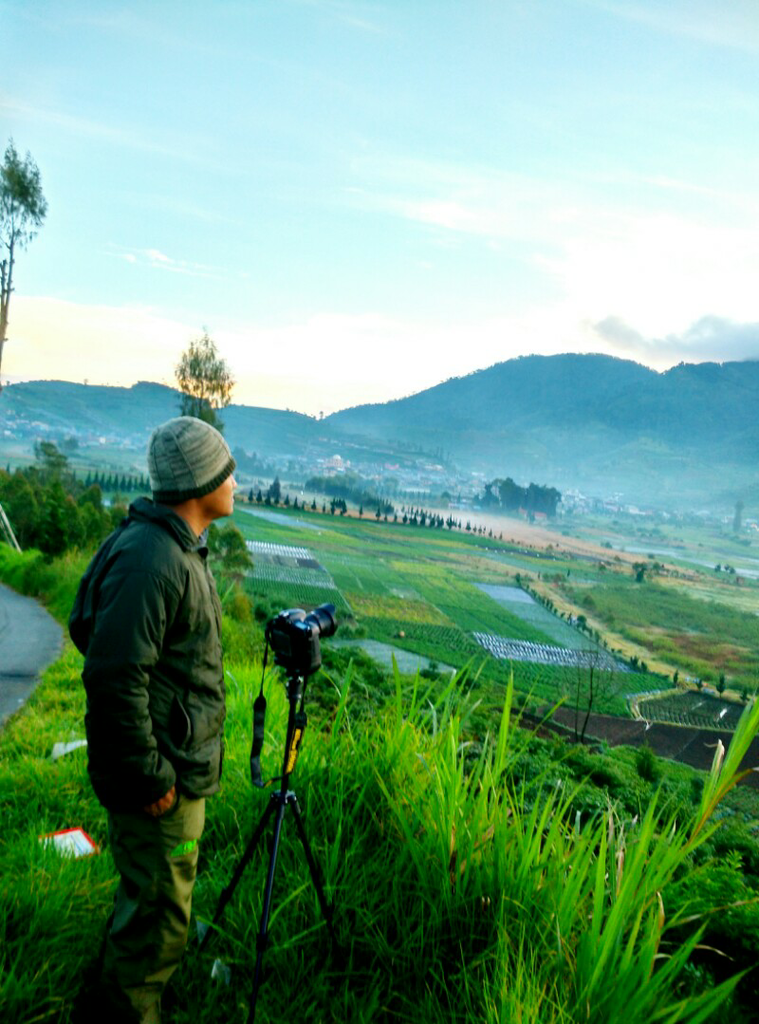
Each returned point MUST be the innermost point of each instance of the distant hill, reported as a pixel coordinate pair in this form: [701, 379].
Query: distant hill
[589, 421]
[92, 408]
[130, 414]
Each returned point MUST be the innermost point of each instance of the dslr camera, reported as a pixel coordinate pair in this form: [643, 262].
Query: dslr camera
[294, 638]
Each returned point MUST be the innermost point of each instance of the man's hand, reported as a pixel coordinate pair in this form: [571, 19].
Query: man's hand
[161, 806]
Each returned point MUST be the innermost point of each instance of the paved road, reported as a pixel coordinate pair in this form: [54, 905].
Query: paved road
[30, 639]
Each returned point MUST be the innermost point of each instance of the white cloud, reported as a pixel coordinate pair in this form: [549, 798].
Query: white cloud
[660, 271]
[712, 338]
[156, 259]
[155, 256]
[478, 201]
[604, 240]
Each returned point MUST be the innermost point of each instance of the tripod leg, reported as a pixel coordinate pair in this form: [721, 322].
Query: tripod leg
[263, 930]
[314, 869]
[228, 892]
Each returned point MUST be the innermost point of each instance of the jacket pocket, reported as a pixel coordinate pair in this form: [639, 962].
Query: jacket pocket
[180, 726]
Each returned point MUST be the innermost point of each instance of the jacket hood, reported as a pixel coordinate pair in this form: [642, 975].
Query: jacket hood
[145, 510]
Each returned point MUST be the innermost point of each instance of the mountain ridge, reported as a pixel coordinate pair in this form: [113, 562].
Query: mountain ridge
[586, 420]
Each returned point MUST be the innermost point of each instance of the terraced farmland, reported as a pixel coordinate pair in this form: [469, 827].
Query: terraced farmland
[446, 643]
[524, 605]
[289, 575]
[699, 710]
[463, 603]
[547, 654]
[384, 653]
[396, 608]
[415, 590]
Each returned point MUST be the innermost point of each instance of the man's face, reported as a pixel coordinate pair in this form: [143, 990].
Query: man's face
[221, 502]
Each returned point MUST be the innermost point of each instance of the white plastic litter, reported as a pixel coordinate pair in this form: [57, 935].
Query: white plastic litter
[220, 972]
[60, 749]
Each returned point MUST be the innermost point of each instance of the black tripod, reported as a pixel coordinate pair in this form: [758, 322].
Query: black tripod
[283, 798]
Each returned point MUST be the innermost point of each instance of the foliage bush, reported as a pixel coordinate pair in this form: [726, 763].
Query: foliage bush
[647, 764]
[30, 572]
[49, 509]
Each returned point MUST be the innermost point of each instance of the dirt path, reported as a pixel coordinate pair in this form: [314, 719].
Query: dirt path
[30, 639]
[534, 535]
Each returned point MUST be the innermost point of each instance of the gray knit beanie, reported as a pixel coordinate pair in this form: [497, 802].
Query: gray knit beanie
[187, 458]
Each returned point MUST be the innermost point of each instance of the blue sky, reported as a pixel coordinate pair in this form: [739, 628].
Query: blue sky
[361, 199]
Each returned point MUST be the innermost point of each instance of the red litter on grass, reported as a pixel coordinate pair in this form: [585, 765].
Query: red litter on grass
[71, 842]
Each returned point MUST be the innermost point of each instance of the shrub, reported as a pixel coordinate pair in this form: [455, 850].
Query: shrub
[646, 764]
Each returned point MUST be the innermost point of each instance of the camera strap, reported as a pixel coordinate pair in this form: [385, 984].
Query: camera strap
[259, 724]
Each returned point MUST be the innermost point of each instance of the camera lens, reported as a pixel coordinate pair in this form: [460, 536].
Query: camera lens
[323, 618]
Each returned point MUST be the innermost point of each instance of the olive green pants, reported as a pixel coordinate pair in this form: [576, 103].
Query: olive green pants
[157, 859]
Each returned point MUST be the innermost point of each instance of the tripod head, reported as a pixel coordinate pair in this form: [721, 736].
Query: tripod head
[293, 636]
[295, 687]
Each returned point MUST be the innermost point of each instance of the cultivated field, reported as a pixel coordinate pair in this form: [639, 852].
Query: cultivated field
[437, 593]
[432, 592]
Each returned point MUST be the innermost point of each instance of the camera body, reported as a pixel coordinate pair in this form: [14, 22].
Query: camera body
[294, 638]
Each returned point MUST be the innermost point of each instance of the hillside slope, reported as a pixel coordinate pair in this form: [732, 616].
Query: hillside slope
[588, 420]
[130, 414]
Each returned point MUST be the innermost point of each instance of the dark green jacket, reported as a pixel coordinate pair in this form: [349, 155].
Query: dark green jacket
[148, 620]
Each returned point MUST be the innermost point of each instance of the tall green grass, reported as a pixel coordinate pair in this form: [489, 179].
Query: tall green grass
[461, 894]
[54, 582]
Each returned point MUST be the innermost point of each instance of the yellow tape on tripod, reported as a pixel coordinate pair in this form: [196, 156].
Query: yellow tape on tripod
[293, 755]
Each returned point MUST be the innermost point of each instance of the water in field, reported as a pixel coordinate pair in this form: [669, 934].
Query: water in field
[407, 662]
[744, 566]
[522, 604]
[280, 519]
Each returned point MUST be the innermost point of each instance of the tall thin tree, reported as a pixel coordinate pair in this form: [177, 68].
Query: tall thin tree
[205, 381]
[22, 210]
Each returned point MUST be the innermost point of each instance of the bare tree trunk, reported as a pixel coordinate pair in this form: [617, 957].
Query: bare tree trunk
[590, 705]
[577, 701]
[6, 287]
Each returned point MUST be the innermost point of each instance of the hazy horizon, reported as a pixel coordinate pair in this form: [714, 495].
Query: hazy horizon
[236, 400]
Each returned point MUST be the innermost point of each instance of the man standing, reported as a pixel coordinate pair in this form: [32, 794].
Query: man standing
[148, 620]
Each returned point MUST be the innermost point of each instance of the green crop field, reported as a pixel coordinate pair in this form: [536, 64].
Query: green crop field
[704, 638]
